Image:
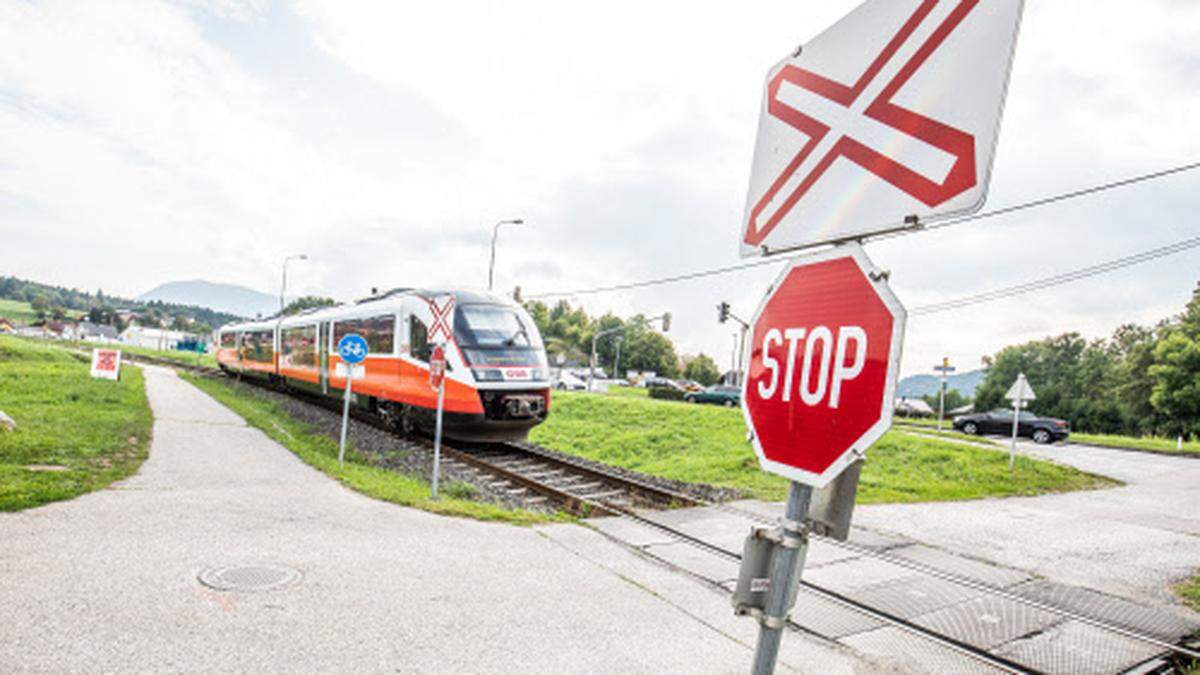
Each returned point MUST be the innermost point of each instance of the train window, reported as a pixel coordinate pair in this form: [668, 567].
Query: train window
[300, 346]
[258, 346]
[378, 331]
[418, 339]
[228, 339]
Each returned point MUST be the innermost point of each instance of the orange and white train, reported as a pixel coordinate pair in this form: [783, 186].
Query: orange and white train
[497, 377]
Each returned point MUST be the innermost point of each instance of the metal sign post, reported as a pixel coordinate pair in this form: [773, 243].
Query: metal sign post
[943, 369]
[785, 576]
[352, 349]
[437, 379]
[1018, 393]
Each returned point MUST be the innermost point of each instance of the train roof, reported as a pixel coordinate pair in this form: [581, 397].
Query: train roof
[386, 301]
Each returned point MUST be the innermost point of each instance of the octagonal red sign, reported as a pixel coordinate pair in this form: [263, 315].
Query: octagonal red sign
[824, 355]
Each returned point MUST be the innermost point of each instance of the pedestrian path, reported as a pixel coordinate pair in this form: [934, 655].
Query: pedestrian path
[108, 582]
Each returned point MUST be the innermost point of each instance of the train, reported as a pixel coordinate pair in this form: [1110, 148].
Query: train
[497, 383]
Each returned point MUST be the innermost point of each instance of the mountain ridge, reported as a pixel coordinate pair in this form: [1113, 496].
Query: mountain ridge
[234, 299]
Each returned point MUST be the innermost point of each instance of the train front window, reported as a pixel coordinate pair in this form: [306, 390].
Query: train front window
[490, 326]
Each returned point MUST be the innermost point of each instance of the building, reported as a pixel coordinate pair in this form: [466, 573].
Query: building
[913, 407]
[94, 332]
[154, 338]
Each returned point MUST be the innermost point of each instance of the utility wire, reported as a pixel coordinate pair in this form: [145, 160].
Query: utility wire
[1059, 279]
[1043, 201]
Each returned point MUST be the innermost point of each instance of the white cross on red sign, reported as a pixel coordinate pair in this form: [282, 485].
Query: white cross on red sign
[890, 113]
[441, 328]
[824, 352]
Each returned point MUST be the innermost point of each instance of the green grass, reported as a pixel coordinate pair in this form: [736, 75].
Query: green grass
[320, 452]
[190, 358]
[1189, 592]
[633, 392]
[1152, 443]
[17, 311]
[707, 444]
[91, 432]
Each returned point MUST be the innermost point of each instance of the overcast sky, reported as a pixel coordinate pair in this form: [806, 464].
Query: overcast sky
[145, 142]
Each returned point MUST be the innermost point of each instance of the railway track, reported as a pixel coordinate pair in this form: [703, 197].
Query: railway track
[542, 478]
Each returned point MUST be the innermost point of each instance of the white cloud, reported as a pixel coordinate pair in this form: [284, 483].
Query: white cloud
[145, 142]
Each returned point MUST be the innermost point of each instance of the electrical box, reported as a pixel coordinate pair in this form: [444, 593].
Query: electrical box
[754, 577]
[833, 505]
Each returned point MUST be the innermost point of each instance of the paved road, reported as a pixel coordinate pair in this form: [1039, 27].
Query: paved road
[1133, 541]
[108, 582]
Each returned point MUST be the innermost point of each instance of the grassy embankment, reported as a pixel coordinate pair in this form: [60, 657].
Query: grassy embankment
[1150, 443]
[701, 443]
[320, 451]
[16, 311]
[74, 434]
[187, 358]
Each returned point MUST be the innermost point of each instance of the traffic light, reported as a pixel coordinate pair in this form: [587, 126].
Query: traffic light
[723, 312]
[667, 322]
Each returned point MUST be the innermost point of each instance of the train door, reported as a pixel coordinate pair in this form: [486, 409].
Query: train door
[323, 336]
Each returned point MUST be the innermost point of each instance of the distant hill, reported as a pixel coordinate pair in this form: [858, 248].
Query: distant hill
[229, 298]
[924, 385]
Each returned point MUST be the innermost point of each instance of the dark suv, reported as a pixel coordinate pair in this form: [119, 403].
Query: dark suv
[1000, 421]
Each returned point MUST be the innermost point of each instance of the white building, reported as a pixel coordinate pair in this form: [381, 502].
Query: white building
[153, 338]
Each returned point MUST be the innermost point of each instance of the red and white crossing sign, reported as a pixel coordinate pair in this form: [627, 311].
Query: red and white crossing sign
[892, 112]
[441, 330]
[824, 355]
[106, 364]
[437, 367]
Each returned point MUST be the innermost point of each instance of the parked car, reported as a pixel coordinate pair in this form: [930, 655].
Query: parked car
[1000, 421]
[720, 394]
[567, 381]
[691, 385]
[663, 383]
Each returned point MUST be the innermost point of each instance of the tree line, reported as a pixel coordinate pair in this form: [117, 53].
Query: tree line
[568, 332]
[1142, 380]
[55, 303]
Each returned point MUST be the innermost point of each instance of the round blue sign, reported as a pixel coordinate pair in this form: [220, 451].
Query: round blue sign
[352, 348]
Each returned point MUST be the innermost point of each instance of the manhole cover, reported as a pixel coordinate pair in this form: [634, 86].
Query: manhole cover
[249, 577]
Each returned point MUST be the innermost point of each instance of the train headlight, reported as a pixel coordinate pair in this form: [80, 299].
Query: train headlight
[487, 375]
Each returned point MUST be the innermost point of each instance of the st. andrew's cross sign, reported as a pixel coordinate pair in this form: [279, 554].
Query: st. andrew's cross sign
[888, 118]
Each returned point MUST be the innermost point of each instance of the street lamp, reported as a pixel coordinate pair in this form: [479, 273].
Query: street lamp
[283, 286]
[724, 314]
[617, 363]
[496, 231]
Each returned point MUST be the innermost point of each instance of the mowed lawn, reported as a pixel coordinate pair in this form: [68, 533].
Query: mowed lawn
[707, 444]
[74, 434]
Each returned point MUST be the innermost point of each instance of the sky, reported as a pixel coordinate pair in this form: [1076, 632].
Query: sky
[146, 142]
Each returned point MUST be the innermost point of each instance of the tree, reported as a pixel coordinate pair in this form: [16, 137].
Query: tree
[1176, 376]
[307, 302]
[954, 399]
[702, 369]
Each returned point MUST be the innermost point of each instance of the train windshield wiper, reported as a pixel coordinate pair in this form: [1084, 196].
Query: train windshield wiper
[512, 340]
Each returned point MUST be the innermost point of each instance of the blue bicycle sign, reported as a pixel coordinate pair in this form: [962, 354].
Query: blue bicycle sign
[352, 348]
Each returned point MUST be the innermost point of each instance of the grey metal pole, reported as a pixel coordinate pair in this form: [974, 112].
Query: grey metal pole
[617, 363]
[283, 286]
[592, 363]
[492, 262]
[785, 574]
[1012, 451]
[345, 413]
[742, 356]
[942, 402]
[437, 436]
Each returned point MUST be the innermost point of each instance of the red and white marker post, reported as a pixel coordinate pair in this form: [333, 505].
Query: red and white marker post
[437, 380]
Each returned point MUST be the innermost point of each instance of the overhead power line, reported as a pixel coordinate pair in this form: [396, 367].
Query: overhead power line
[1059, 279]
[1012, 208]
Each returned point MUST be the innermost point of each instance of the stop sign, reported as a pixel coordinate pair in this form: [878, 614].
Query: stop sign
[824, 355]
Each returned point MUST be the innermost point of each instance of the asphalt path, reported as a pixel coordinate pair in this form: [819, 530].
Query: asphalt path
[108, 581]
[1133, 541]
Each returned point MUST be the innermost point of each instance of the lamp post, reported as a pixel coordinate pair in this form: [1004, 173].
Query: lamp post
[283, 286]
[617, 363]
[724, 314]
[496, 231]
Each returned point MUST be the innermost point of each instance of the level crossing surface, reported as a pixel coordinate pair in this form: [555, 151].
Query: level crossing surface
[108, 581]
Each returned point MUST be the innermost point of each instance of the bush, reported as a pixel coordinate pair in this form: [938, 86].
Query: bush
[666, 393]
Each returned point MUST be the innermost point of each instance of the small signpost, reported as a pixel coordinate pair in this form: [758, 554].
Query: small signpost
[353, 349]
[944, 369]
[440, 333]
[437, 380]
[106, 364]
[1018, 393]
